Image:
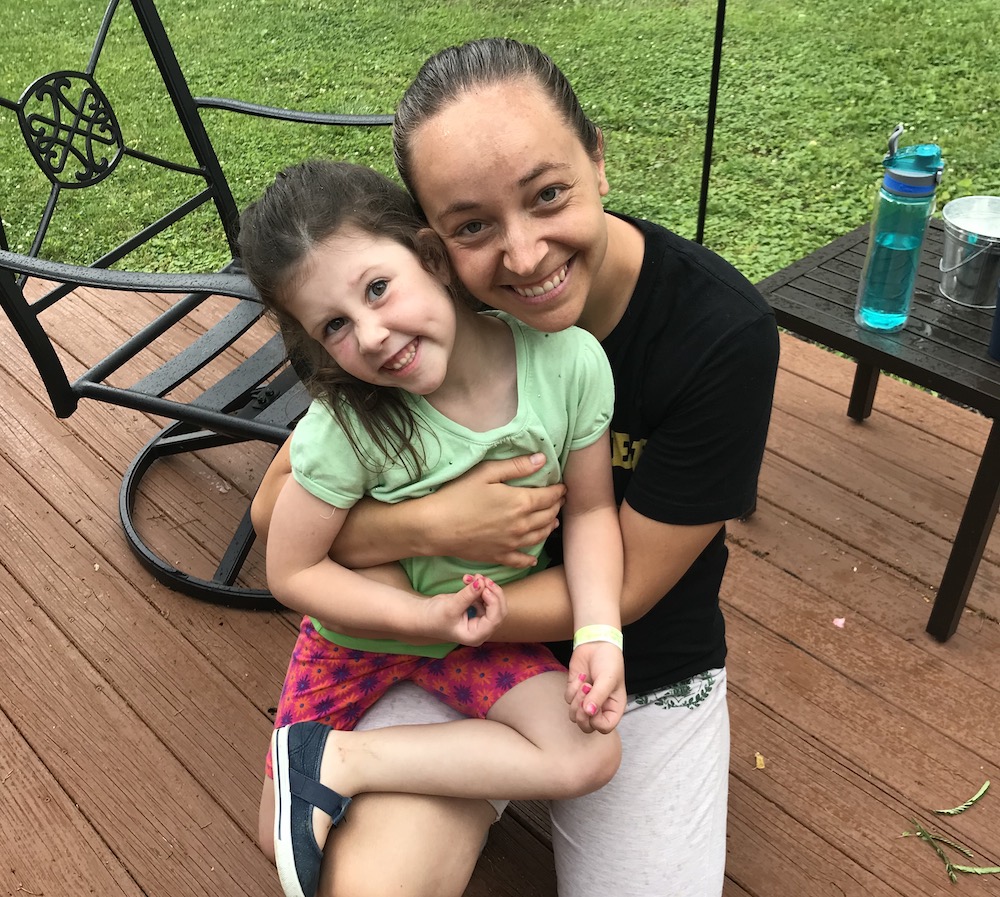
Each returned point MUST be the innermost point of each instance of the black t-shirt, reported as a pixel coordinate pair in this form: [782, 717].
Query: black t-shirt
[694, 360]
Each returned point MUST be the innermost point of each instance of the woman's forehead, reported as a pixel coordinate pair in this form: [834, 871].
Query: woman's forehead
[505, 137]
[493, 106]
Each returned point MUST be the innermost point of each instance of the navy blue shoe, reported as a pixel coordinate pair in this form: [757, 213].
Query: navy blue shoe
[296, 755]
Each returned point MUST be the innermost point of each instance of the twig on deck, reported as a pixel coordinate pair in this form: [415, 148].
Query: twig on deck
[954, 811]
[920, 832]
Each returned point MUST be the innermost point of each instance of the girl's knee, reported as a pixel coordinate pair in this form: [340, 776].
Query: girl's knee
[591, 767]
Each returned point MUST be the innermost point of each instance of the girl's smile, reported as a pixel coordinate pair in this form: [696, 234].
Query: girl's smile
[402, 359]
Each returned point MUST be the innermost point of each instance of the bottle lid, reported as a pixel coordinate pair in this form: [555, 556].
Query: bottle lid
[913, 170]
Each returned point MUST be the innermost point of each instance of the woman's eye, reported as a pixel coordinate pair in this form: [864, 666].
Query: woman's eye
[376, 289]
[333, 326]
[470, 229]
[550, 194]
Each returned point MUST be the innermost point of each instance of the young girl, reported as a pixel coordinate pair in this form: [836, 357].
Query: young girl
[412, 388]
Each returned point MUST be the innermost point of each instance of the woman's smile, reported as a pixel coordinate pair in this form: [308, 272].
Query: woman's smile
[545, 289]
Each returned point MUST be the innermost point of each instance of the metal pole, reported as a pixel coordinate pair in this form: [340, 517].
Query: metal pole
[713, 95]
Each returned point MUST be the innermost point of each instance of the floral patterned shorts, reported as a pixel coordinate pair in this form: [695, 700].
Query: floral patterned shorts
[334, 685]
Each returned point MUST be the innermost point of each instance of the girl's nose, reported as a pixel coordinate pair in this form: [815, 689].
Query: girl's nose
[371, 333]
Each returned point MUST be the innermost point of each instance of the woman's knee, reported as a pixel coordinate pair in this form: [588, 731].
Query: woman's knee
[436, 843]
[265, 820]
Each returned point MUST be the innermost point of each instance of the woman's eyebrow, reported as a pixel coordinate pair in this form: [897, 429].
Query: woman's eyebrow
[462, 205]
[539, 170]
[468, 205]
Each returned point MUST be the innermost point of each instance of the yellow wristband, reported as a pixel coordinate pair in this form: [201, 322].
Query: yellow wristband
[598, 632]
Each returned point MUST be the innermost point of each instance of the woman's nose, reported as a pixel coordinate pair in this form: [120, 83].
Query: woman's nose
[524, 250]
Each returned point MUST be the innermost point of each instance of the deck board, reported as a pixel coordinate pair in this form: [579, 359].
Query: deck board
[35, 813]
[133, 720]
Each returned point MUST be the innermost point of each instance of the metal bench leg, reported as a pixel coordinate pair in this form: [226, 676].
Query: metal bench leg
[863, 392]
[222, 589]
[970, 540]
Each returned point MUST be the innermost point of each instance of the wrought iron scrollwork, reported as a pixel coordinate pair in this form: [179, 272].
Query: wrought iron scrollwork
[70, 129]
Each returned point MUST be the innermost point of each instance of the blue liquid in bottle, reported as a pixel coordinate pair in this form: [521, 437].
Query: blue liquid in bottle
[903, 206]
[889, 281]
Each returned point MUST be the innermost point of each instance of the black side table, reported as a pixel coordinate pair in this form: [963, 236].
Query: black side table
[942, 347]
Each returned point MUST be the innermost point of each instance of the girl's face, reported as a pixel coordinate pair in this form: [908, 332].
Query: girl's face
[382, 316]
[516, 199]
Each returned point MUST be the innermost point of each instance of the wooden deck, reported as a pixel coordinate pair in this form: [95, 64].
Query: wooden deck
[133, 720]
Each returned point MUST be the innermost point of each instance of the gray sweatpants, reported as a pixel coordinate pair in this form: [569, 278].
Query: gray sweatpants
[658, 829]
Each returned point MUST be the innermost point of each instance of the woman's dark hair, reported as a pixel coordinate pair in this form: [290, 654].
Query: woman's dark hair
[305, 205]
[493, 60]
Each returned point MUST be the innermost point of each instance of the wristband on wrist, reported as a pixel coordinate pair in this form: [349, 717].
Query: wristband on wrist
[598, 632]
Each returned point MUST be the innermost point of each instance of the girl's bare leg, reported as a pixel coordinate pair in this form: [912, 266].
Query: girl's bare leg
[545, 756]
[527, 748]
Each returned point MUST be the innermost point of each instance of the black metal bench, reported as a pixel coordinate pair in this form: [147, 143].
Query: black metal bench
[80, 137]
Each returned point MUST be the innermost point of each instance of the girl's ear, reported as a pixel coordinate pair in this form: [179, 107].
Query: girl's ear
[433, 255]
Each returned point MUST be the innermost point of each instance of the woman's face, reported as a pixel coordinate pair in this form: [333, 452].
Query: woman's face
[516, 199]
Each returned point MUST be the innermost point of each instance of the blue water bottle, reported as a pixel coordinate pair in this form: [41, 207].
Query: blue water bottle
[903, 207]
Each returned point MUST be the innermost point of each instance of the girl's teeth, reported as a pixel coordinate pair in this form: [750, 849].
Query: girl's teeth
[401, 363]
[531, 292]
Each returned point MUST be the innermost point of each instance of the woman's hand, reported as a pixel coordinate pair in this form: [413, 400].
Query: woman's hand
[469, 617]
[487, 521]
[595, 690]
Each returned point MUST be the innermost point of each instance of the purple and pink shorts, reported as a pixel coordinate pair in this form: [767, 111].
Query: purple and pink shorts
[334, 685]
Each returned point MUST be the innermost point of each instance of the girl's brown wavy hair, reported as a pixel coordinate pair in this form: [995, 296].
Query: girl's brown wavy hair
[306, 204]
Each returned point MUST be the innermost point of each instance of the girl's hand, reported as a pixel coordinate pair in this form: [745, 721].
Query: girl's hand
[519, 517]
[595, 690]
[470, 616]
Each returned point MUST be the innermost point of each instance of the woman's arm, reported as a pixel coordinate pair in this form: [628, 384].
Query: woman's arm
[657, 555]
[449, 522]
[302, 576]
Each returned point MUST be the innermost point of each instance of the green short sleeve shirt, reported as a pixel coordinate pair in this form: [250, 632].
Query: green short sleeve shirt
[565, 400]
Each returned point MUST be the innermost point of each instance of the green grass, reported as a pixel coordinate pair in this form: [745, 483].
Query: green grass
[810, 91]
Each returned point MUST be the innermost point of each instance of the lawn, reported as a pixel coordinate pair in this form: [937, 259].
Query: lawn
[810, 91]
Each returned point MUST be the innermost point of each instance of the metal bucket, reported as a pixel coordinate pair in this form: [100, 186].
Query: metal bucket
[970, 262]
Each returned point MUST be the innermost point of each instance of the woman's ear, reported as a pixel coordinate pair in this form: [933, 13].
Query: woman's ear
[602, 178]
[433, 255]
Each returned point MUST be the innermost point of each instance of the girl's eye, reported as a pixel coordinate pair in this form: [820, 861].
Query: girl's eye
[333, 326]
[376, 289]
[550, 194]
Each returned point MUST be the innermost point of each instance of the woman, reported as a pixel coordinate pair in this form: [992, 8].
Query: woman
[507, 169]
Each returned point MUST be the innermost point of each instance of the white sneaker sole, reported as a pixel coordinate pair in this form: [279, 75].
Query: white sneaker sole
[284, 854]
